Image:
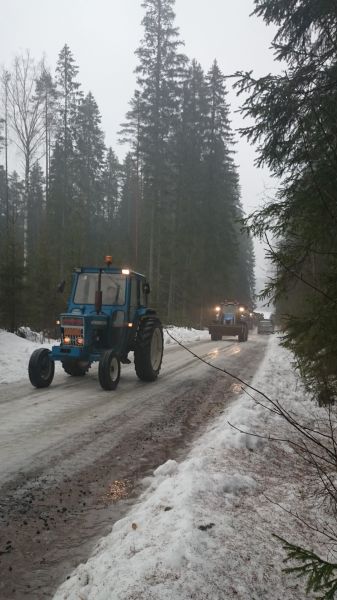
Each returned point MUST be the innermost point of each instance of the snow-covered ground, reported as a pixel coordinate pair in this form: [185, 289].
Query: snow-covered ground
[15, 351]
[203, 529]
[14, 356]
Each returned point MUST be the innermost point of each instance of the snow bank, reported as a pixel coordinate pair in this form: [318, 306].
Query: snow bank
[184, 335]
[14, 356]
[203, 528]
[15, 351]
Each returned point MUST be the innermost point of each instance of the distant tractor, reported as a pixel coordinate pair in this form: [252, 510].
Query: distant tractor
[106, 318]
[231, 318]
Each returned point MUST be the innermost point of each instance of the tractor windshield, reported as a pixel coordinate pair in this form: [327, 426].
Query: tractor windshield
[112, 286]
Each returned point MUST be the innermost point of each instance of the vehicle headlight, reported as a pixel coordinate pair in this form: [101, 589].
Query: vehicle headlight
[241, 309]
[217, 309]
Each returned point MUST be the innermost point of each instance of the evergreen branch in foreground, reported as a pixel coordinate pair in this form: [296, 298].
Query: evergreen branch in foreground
[320, 573]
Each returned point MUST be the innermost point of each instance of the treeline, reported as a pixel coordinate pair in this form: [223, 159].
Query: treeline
[171, 209]
[296, 129]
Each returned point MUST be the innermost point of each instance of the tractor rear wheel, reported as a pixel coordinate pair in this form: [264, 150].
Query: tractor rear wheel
[109, 370]
[41, 368]
[149, 349]
[74, 368]
[215, 337]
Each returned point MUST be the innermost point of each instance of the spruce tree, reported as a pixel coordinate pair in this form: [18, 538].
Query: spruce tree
[88, 167]
[36, 207]
[128, 211]
[46, 90]
[109, 233]
[12, 313]
[295, 129]
[221, 206]
[61, 177]
[190, 232]
[159, 73]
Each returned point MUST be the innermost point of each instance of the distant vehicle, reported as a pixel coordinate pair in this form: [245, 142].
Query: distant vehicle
[265, 326]
[231, 318]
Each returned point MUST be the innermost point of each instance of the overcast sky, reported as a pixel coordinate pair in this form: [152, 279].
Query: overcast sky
[103, 35]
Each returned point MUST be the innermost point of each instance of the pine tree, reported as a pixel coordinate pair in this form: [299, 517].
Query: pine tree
[159, 73]
[221, 207]
[36, 208]
[132, 133]
[88, 168]
[110, 234]
[46, 90]
[61, 178]
[295, 128]
[190, 233]
[12, 273]
[128, 210]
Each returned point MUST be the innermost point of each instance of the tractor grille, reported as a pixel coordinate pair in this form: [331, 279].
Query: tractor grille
[72, 331]
[72, 340]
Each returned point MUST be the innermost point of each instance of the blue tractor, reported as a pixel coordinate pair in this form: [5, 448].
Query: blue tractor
[231, 318]
[106, 318]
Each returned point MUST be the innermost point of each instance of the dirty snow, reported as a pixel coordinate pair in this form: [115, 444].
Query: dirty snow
[203, 529]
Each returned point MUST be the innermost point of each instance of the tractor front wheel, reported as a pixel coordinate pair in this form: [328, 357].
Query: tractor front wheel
[41, 368]
[243, 335]
[109, 370]
[149, 349]
[74, 368]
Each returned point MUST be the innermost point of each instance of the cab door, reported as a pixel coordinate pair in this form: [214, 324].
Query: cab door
[134, 298]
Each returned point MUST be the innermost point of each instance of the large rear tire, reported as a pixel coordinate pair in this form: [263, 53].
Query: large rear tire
[73, 368]
[109, 370]
[41, 368]
[149, 349]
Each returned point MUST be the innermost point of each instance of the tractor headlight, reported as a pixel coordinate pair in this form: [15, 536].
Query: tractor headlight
[80, 341]
[217, 309]
[66, 339]
[241, 309]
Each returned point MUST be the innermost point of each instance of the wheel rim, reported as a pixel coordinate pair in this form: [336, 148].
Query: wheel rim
[114, 369]
[45, 367]
[156, 349]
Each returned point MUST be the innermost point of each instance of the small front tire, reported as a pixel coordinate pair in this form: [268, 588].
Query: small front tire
[109, 370]
[41, 368]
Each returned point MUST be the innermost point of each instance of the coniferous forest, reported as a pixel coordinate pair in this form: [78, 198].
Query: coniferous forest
[171, 209]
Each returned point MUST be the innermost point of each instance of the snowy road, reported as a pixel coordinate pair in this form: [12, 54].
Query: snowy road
[68, 452]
